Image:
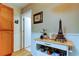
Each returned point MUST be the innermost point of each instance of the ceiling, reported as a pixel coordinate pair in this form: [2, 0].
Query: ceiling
[18, 5]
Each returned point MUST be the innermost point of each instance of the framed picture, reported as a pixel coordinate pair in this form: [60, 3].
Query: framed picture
[38, 17]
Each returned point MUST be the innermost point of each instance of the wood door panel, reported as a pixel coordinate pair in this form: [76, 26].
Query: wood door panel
[6, 17]
[6, 42]
[6, 12]
[4, 24]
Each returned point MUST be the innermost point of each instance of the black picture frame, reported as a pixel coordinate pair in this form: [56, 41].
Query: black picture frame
[38, 17]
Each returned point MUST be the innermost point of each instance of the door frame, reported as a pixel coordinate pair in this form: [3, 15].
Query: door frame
[22, 30]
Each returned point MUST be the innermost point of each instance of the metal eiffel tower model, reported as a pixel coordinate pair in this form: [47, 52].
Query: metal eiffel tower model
[60, 37]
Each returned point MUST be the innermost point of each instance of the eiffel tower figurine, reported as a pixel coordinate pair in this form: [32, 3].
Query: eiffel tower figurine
[60, 37]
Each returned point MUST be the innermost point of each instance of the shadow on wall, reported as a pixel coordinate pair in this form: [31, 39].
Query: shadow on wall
[66, 7]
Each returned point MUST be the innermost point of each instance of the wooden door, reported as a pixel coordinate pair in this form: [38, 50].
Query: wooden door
[6, 42]
[6, 30]
[6, 16]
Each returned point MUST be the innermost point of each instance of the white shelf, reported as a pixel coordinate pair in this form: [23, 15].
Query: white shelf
[43, 53]
[70, 51]
[36, 52]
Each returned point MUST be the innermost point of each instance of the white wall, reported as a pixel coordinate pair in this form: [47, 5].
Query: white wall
[52, 14]
[17, 33]
[16, 27]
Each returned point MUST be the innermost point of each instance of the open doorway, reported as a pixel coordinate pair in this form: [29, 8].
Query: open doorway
[26, 30]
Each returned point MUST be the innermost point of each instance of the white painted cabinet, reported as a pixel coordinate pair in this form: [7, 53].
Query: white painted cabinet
[36, 52]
